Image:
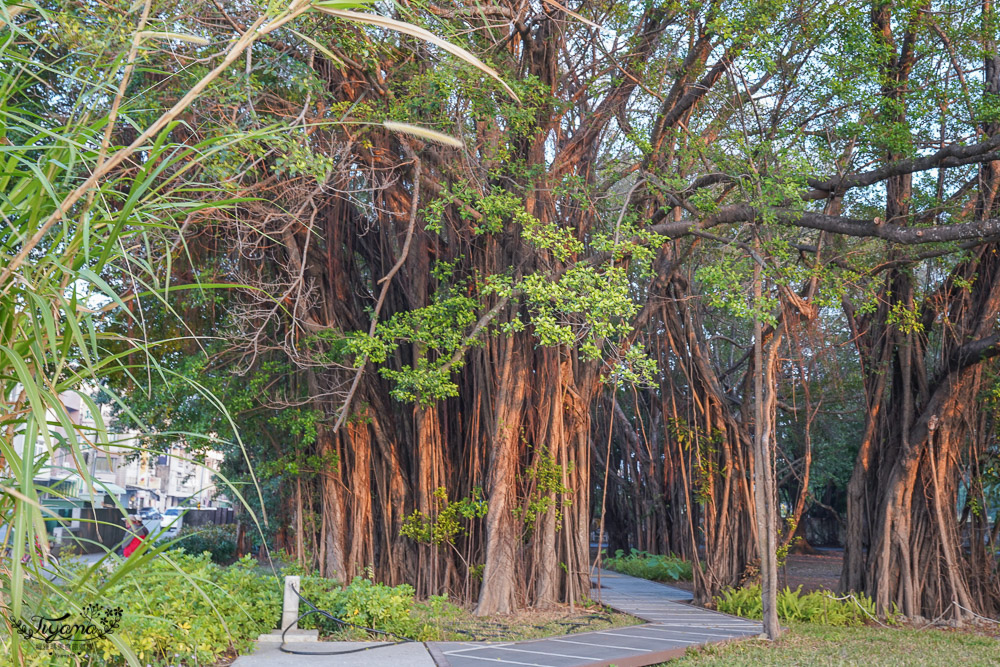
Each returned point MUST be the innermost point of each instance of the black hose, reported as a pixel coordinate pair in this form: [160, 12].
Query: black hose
[317, 610]
[402, 640]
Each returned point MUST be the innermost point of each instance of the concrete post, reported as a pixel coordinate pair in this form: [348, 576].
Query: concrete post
[289, 618]
[290, 608]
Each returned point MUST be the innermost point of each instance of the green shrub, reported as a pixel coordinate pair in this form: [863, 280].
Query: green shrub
[192, 616]
[743, 602]
[816, 607]
[183, 609]
[218, 540]
[363, 602]
[649, 566]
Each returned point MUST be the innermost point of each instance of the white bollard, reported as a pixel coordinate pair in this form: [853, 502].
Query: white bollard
[289, 618]
[290, 608]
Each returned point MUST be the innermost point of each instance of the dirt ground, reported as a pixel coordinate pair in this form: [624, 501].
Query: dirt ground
[812, 571]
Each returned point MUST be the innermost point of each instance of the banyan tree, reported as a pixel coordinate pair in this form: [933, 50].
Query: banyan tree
[529, 320]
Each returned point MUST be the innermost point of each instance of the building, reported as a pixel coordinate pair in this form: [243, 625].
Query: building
[122, 472]
[182, 481]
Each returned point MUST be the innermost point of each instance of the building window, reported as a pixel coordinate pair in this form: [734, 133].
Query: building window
[104, 464]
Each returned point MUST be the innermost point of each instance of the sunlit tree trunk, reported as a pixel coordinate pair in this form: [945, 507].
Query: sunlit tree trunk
[498, 593]
[904, 546]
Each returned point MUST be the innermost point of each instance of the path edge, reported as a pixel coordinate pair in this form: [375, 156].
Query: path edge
[438, 656]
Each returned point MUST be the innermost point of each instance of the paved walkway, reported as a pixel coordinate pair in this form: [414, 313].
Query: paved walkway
[411, 654]
[672, 627]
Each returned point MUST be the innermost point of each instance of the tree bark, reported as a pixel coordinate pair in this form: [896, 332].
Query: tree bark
[498, 594]
[764, 494]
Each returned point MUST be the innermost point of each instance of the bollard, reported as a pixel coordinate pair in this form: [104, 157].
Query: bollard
[290, 608]
[289, 618]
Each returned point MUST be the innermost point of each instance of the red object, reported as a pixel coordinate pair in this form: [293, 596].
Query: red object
[38, 550]
[132, 546]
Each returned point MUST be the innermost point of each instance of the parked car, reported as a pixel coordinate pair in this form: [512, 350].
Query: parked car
[172, 522]
[150, 518]
[149, 514]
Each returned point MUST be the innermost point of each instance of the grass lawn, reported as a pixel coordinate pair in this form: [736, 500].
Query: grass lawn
[870, 646]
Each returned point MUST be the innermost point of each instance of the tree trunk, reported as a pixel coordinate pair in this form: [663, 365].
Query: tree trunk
[764, 494]
[331, 489]
[361, 550]
[498, 592]
[903, 544]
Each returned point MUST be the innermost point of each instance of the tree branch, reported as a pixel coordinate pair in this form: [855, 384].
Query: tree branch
[973, 352]
[966, 231]
[954, 155]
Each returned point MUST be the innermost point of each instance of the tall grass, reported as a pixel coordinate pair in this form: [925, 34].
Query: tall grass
[68, 264]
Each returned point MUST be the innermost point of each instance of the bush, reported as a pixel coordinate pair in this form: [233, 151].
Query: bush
[183, 609]
[816, 607]
[363, 602]
[743, 602]
[650, 566]
[191, 616]
[217, 540]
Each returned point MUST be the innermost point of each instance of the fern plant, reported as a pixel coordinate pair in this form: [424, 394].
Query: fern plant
[794, 606]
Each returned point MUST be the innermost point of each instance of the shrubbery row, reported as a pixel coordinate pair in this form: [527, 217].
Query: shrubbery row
[183, 609]
[794, 606]
[649, 566]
